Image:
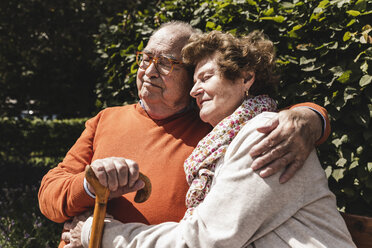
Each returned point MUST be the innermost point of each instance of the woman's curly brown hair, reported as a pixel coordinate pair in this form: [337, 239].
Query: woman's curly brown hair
[253, 52]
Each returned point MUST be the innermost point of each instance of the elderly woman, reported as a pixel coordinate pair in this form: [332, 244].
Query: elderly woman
[232, 80]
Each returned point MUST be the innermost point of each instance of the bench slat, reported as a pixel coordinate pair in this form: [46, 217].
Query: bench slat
[360, 228]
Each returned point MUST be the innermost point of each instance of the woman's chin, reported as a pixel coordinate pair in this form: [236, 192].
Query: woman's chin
[207, 119]
[204, 117]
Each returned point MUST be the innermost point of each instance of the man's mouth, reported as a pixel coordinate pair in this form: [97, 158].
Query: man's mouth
[147, 84]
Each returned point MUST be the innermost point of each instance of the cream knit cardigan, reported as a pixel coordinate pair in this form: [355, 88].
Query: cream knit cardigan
[245, 210]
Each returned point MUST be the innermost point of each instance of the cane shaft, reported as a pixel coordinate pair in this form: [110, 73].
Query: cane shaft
[102, 194]
[97, 226]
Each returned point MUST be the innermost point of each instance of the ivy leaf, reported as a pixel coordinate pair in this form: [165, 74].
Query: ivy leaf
[328, 171]
[337, 71]
[196, 21]
[252, 2]
[210, 25]
[133, 68]
[304, 61]
[339, 3]
[323, 4]
[278, 19]
[350, 93]
[341, 162]
[347, 36]
[140, 46]
[353, 12]
[337, 174]
[288, 5]
[316, 14]
[268, 12]
[365, 80]
[351, 23]
[344, 78]
[364, 67]
[337, 142]
[353, 165]
[369, 166]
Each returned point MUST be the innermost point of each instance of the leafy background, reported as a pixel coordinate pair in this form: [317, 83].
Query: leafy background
[70, 59]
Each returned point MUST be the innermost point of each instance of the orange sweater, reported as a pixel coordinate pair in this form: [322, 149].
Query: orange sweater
[159, 148]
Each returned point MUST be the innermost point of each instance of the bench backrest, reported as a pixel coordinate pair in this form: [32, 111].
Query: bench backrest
[360, 228]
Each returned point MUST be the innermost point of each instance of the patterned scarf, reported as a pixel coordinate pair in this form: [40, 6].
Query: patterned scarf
[200, 165]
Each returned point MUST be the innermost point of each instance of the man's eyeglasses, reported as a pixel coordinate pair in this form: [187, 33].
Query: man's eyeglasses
[162, 64]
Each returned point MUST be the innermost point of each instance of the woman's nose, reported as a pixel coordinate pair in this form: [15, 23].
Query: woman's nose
[196, 90]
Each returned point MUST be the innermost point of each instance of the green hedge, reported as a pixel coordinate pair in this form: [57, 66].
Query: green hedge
[36, 141]
[324, 53]
[28, 149]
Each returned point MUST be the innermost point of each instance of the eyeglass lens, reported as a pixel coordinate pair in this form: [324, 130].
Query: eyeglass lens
[162, 64]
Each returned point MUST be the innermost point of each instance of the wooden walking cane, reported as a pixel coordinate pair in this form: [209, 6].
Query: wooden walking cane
[102, 194]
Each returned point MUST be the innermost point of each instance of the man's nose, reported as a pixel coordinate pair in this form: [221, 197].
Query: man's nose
[151, 71]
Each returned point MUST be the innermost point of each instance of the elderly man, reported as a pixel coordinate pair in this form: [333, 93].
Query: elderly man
[156, 136]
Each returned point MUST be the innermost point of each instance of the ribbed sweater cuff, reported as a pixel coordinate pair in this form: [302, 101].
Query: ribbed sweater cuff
[80, 198]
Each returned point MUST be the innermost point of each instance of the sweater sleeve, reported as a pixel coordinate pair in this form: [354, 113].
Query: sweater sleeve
[240, 207]
[61, 194]
[321, 111]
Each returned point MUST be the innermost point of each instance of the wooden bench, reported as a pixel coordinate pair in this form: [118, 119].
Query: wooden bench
[360, 228]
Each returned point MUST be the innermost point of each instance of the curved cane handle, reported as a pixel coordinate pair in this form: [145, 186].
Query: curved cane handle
[102, 194]
[143, 194]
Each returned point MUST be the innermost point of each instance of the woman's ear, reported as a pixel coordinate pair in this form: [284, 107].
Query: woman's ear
[249, 78]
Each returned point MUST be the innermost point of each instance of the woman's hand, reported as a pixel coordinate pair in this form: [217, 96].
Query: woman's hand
[72, 237]
[120, 175]
[291, 138]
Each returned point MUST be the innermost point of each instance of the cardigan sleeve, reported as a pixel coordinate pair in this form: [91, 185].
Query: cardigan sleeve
[323, 113]
[239, 205]
[61, 194]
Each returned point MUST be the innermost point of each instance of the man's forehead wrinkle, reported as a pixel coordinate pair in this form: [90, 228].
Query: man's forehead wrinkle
[155, 53]
[169, 47]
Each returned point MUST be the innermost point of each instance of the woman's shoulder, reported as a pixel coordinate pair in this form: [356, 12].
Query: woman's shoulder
[257, 121]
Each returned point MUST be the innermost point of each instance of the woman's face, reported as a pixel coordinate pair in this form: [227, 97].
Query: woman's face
[216, 96]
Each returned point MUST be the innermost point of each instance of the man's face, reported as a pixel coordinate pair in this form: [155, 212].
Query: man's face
[164, 93]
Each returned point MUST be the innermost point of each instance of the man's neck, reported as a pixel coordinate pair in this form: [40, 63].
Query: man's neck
[157, 112]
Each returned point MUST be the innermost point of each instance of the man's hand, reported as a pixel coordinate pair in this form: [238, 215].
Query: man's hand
[291, 138]
[120, 175]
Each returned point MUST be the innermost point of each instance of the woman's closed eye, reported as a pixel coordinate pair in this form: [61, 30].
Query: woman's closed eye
[206, 77]
[202, 78]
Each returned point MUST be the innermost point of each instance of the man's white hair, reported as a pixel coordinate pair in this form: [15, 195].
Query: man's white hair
[181, 30]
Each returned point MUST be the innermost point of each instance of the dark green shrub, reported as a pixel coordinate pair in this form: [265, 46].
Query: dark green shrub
[47, 58]
[28, 149]
[21, 223]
